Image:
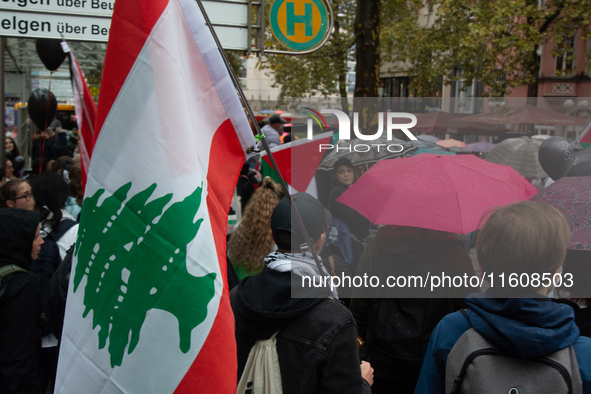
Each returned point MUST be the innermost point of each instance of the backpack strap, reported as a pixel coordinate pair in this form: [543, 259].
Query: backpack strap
[64, 226]
[12, 268]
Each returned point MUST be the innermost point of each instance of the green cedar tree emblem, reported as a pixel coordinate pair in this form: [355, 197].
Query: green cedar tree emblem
[134, 258]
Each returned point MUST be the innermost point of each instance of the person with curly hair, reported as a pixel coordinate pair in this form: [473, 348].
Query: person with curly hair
[252, 240]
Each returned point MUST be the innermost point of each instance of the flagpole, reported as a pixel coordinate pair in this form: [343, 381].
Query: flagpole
[259, 133]
[80, 91]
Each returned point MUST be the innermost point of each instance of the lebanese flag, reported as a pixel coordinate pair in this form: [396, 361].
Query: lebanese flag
[84, 118]
[148, 307]
[297, 162]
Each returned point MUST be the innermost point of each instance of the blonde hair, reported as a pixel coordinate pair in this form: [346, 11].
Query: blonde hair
[252, 240]
[526, 237]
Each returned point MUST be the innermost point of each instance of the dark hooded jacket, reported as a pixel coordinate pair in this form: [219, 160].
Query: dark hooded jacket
[524, 327]
[316, 344]
[20, 305]
[396, 328]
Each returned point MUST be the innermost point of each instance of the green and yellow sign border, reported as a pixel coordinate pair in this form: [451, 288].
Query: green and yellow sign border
[298, 46]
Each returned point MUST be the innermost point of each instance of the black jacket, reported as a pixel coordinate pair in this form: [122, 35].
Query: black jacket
[20, 306]
[317, 342]
[51, 148]
[397, 330]
[358, 224]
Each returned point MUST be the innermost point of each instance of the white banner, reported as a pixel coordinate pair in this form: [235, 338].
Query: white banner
[35, 25]
[89, 20]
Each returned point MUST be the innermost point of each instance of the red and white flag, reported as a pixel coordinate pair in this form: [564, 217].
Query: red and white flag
[148, 308]
[298, 161]
[585, 138]
[85, 108]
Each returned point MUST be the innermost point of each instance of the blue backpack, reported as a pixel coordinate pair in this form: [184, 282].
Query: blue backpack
[340, 235]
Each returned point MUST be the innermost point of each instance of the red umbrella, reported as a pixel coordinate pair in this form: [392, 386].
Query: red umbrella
[527, 114]
[447, 193]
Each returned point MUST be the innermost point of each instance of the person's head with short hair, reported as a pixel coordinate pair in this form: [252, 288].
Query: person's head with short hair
[17, 193]
[49, 165]
[525, 237]
[62, 163]
[343, 172]
[286, 231]
[276, 122]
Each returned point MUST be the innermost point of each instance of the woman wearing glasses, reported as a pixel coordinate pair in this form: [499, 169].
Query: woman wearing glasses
[17, 193]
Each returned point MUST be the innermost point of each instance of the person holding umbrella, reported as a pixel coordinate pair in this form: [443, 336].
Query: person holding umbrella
[358, 225]
[426, 200]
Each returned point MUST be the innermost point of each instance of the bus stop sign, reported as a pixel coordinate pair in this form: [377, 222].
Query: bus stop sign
[299, 25]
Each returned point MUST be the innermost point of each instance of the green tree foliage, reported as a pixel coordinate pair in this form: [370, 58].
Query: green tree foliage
[322, 73]
[236, 62]
[495, 42]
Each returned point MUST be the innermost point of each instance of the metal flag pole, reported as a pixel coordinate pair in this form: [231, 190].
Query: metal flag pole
[67, 49]
[265, 145]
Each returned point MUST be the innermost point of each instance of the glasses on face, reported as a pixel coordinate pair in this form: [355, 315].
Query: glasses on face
[26, 197]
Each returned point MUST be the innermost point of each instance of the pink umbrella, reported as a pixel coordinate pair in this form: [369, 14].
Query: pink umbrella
[447, 193]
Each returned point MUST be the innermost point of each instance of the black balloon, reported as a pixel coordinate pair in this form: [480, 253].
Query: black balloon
[582, 164]
[50, 52]
[18, 163]
[40, 112]
[7, 154]
[556, 156]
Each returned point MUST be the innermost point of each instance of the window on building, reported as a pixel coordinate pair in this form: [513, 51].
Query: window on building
[350, 82]
[565, 62]
[464, 94]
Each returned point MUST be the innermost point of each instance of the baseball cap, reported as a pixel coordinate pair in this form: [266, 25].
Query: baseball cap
[312, 213]
[276, 119]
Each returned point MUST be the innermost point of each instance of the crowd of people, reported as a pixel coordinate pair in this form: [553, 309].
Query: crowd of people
[342, 341]
[39, 214]
[332, 340]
